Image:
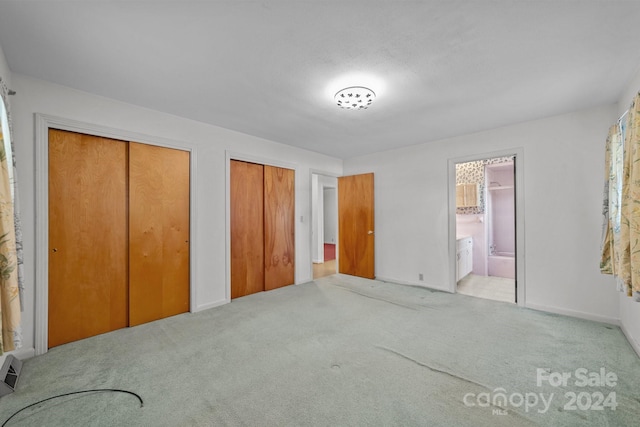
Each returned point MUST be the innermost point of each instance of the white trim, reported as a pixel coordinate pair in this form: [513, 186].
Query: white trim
[520, 224]
[267, 161]
[42, 124]
[22, 354]
[210, 305]
[574, 313]
[634, 344]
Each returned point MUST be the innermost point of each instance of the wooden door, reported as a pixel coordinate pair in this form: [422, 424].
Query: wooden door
[247, 228]
[87, 236]
[279, 227]
[158, 232]
[356, 241]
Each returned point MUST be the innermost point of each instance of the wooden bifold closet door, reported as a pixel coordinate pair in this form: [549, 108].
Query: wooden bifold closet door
[262, 227]
[247, 228]
[158, 233]
[88, 242]
[118, 234]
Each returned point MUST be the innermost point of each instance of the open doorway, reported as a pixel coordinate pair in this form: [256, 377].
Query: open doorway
[485, 228]
[324, 207]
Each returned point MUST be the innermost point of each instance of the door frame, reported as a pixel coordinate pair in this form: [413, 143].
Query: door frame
[518, 152]
[44, 122]
[266, 161]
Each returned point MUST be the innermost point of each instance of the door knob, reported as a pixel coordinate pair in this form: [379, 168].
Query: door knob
[370, 232]
[54, 250]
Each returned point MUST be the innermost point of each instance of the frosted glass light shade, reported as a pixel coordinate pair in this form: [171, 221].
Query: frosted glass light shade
[355, 98]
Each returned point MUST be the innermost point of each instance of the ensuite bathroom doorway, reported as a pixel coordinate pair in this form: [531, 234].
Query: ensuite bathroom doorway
[485, 228]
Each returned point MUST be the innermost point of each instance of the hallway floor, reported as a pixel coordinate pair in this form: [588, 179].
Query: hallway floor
[325, 269]
[488, 287]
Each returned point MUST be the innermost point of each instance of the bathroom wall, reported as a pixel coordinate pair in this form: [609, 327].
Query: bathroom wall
[473, 173]
[502, 221]
[501, 207]
[502, 176]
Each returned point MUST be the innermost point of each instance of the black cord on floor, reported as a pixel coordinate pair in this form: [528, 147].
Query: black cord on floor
[75, 392]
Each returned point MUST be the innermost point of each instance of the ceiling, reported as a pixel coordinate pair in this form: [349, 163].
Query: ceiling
[270, 68]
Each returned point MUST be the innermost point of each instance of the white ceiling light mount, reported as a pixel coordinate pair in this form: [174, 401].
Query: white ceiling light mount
[355, 98]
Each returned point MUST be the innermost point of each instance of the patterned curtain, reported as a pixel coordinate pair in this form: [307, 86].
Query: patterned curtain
[621, 207]
[607, 265]
[10, 249]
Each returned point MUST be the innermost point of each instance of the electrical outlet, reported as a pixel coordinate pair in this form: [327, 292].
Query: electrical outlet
[420, 276]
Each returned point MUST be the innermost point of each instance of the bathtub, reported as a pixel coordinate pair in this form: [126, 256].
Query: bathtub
[502, 264]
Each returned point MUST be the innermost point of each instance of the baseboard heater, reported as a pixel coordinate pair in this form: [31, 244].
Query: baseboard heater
[9, 374]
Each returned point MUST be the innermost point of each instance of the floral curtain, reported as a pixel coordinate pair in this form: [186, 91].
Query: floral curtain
[607, 264]
[11, 337]
[621, 207]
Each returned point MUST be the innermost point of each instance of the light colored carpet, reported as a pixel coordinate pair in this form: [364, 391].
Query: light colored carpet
[339, 351]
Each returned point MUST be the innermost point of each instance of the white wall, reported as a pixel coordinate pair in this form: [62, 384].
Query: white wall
[211, 143]
[319, 183]
[330, 215]
[562, 197]
[563, 160]
[317, 249]
[629, 309]
[5, 73]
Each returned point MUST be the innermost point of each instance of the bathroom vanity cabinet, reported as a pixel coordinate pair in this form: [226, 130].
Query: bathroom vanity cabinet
[464, 257]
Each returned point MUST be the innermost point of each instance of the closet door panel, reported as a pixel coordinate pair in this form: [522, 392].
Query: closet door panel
[247, 228]
[87, 236]
[279, 223]
[158, 232]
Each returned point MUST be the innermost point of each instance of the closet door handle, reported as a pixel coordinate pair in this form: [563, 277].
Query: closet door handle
[54, 250]
[370, 232]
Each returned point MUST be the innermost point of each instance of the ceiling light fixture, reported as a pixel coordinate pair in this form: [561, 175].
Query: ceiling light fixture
[354, 98]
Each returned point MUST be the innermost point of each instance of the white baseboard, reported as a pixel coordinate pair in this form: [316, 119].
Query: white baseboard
[420, 284]
[211, 305]
[634, 344]
[549, 309]
[22, 354]
[574, 313]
